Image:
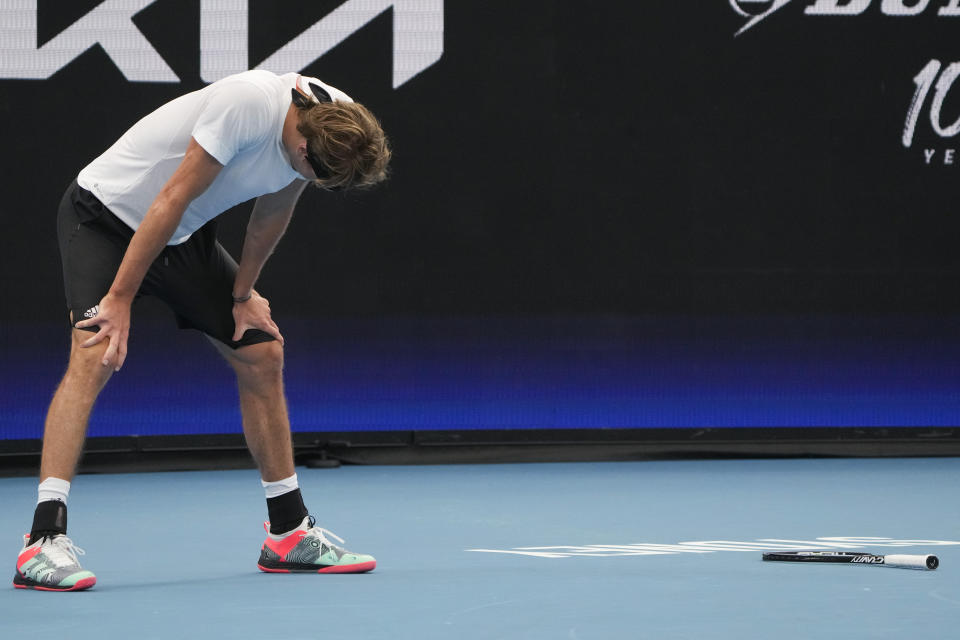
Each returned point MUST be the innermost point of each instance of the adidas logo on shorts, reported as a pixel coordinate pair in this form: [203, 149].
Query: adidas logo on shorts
[92, 312]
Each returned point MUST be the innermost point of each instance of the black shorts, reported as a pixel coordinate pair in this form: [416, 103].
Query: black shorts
[195, 278]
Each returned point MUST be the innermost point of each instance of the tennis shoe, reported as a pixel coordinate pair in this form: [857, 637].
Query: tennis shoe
[50, 564]
[308, 549]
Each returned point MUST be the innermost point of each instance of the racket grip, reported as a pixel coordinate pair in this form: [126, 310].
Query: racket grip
[928, 563]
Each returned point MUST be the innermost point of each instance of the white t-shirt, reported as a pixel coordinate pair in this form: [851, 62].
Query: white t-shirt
[238, 120]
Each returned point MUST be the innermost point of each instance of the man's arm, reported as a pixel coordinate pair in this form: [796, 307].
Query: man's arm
[268, 222]
[196, 172]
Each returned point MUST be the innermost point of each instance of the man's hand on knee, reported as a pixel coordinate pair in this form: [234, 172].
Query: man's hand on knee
[254, 313]
[113, 319]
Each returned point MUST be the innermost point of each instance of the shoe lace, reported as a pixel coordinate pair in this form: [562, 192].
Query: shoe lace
[62, 552]
[321, 534]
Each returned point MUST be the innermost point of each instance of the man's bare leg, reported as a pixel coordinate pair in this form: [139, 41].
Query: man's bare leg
[69, 412]
[266, 426]
[48, 560]
[259, 369]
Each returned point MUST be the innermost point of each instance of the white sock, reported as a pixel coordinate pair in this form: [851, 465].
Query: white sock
[53, 489]
[280, 487]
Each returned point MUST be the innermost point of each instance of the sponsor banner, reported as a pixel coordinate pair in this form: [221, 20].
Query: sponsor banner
[662, 159]
[755, 11]
[752, 155]
[934, 81]
[224, 39]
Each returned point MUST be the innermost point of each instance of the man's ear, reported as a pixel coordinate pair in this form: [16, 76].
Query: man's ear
[300, 101]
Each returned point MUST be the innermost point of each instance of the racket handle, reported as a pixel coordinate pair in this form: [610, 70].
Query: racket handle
[912, 562]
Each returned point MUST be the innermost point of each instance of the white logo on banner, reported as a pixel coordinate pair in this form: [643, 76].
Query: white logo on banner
[758, 10]
[924, 80]
[712, 546]
[224, 45]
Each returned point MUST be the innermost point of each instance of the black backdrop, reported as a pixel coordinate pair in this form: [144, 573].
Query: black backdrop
[564, 158]
[561, 157]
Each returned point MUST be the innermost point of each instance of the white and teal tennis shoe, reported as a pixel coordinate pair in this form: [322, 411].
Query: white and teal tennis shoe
[50, 564]
[307, 549]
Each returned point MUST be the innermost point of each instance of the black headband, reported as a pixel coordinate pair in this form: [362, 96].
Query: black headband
[303, 101]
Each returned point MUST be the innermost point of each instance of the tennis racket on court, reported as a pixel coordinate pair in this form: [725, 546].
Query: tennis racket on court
[924, 562]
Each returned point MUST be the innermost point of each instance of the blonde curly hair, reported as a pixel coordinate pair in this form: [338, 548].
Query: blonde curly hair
[349, 142]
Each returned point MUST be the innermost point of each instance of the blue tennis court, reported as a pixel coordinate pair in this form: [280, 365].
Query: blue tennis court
[658, 549]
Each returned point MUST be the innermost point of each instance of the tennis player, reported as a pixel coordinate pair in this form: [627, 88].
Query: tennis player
[139, 220]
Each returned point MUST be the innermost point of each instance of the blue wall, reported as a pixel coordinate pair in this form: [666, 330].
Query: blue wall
[499, 372]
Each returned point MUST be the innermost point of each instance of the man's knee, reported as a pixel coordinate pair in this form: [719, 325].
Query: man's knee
[86, 363]
[262, 360]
